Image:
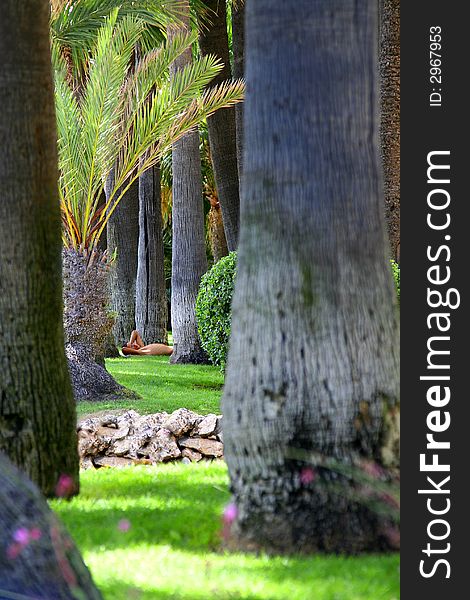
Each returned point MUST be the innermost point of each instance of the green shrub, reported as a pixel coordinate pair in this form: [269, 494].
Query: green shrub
[396, 276]
[213, 308]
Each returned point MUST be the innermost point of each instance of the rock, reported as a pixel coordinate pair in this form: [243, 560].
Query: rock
[133, 445]
[86, 463]
[91, 445]
[116, 434]
[91, 424]
[203, 445]
[206, 427]
[181, 421]
[112, 461]
[186, 461]
[162, 447]
[155, 421]
[119, 439]
[191, 455]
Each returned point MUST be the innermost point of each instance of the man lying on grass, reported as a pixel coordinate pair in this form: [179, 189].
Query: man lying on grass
[136, 346]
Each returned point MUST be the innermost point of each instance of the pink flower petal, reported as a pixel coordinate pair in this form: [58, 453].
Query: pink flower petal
[124, 525]
[230, 513]
[21, 536]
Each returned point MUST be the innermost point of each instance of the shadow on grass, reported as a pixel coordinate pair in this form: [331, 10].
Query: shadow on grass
[175, 511]
[120, 589]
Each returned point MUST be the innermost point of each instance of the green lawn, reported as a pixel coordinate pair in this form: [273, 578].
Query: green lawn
[163, 387]
[171, 550]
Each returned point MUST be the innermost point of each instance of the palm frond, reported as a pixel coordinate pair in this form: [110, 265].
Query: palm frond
[101, 107]
[126, 119]
[75, 24]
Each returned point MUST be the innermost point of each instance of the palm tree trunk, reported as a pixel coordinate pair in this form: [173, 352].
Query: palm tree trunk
[238, 42]
[189, 261]
[122, 240]
[390, 116]
[37, 412]
[311, 391]
[87, 324]
[48, 565]
[213, 39]
[151, 300]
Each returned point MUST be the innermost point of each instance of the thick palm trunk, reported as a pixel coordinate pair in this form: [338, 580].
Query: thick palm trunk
[238, 42]
[122, 240]
[213, 39]
[390, 115]
[189, 261]
[87, 324]
[312, 381]
[151, 300]
[38, 559]
[37, 412]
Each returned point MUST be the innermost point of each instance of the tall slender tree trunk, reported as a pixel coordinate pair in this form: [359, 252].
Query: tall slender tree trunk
[217, 239]
[151, 300]
[238, 42]
[213, 39]
[122, 240]
[37, 412]
[390, 116]
[189, 261]
[311, 392]
[46, 566]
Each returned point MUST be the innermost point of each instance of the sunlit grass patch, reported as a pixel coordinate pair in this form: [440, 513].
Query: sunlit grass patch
[162, 387]
[172, 550]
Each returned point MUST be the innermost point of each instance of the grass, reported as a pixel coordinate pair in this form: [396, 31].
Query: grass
[171, 550]
[163, 387]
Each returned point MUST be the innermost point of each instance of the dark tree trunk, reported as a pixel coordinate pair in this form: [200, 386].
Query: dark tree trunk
[123, 237]
[151, 307]
[37, 412]
[189, 261]
[390, 116]
[238, 42]
[46, 564]
[87, 324]
[213, 39]
[311, 389]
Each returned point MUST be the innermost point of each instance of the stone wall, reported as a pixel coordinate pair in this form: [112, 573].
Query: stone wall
[114, 440]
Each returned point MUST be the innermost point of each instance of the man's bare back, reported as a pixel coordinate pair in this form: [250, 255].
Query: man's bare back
[136, 346]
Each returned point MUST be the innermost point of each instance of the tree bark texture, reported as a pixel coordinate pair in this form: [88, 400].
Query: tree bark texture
[123, 239]
[213, 39]
[189, 261]
[45, 563]
[88, 323]
[151, 307]
[311, 387]
[390, 117]
[238, 42]
[37, 412]
[217, 239]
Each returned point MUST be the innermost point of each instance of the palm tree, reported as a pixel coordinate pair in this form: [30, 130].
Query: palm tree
[189, 261]
[213, 40]
[151, 301]
[37, 412]
[59, 571]
[389, 62]
[125, 120]
[238, 44]
[311, 393]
